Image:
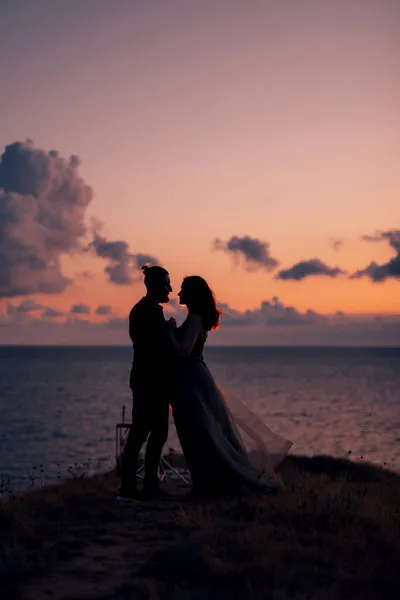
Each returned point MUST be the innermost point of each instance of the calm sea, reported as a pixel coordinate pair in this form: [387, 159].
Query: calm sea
[59, 405]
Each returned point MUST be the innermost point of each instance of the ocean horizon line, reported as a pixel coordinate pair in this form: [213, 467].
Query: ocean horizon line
[214, 346]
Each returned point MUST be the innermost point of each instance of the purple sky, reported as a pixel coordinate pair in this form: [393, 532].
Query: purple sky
[254, 143]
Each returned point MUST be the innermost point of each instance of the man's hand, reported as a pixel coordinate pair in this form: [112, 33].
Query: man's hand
[172, 321]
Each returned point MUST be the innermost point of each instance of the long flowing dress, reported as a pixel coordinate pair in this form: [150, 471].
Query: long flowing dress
[225, 445]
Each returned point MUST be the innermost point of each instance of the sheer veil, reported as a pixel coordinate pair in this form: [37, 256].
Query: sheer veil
[265, 449]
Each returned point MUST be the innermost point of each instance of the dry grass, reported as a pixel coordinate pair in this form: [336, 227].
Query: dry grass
[335, 530]
[36, 527]
[332, 533]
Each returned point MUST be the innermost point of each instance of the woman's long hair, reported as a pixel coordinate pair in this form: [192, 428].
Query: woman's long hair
[201, 301]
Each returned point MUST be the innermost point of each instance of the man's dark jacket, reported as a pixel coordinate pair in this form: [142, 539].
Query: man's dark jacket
[151, 354]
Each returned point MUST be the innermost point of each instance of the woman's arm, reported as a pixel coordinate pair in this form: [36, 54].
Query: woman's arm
[192, 331]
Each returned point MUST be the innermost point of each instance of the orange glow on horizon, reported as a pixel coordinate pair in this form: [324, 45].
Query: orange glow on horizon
[283, 127]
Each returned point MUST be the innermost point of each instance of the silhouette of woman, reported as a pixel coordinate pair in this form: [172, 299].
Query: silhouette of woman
[225, 445]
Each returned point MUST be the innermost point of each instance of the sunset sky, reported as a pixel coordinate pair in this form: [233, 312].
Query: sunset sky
[255, 143]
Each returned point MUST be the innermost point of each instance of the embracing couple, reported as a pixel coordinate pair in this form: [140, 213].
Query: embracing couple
[226, 447]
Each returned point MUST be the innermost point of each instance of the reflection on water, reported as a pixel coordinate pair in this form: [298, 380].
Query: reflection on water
[59, 406]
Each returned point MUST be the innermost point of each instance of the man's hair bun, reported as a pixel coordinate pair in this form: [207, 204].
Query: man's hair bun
[153, 273]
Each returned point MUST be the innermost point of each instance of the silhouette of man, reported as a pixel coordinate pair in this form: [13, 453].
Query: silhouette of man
[149, 381]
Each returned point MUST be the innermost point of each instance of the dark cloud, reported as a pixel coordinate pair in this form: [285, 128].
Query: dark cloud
[277, 313]
[392, 236]
[26, 306]
[390, 269]
[52, 313]
[233, 317]
[139, 260]
[42, 207]
[374, 271]
[273, 323]
[306, 268]
[337, 243]
[255, 253]
[123, 267]
[272, 313]
[80, 309]
[103, 310]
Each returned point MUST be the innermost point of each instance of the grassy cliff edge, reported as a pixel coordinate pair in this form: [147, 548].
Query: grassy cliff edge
[332, 533]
